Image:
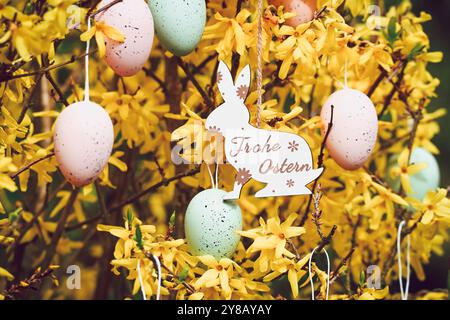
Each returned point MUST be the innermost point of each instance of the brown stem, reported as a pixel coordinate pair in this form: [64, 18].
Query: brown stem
[57, 88]
[391, 94]
[199, 88]
[327, 240]
[375, 177]
[376, 83]
[31, 283]
[101, 199]
[163, 183]
[51, 250]
[104, 8]
[152, 75]
[28, 166]
[190, 288]
[29, 102]
[46, 69]
[348, 256]
[319, 165]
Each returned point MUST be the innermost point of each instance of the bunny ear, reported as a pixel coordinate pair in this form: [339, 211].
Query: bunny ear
[225, 81]
[243, 83]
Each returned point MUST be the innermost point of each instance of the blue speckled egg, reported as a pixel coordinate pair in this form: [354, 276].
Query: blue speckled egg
[179, 24]
[211, 224]
[422, 182]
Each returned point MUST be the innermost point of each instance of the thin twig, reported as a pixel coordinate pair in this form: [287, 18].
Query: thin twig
[29, 102]
[163, 183]
[190, 288]
[191, 78]
[376, 83]
[391, 94]
[104, 8]
[152, 75]
[92, 8]
[31, 283]
[319, 165]
[46, 69]
[335, 274]
[375, 177]
[327, 240]
[101, 199]
[28, 166]
[51, 250]
[317, 214]
[57, 88]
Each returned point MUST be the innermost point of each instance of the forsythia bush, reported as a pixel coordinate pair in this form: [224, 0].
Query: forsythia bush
[136, 208]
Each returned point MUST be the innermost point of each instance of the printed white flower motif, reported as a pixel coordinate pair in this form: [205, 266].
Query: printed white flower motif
[243, 175]
[293, 146]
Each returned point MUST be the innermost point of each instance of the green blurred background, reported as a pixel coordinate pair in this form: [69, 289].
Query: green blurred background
[438, 31]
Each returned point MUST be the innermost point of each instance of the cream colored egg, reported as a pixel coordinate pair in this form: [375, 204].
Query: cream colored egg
[355, 127]
[83, 137]
[134, 20]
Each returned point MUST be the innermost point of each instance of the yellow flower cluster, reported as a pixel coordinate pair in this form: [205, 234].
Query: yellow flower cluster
[149, 183]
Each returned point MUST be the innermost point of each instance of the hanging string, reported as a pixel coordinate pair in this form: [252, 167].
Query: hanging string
[310, 275]
[158, 268]
[86, 65]
[144, 297]
[217, 174]
[259, 76]
[210, 176]
[404, 293]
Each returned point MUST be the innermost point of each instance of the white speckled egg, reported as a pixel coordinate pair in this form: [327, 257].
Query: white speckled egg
[211, 224]
[422, 182]
[179, 24]
[355, 127]
[83, 138]
[134, 20]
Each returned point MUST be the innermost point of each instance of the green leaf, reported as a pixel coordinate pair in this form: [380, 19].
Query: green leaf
[138, 237]
[418, 48]
[392, 35]
[14, 215]
[29, 8]
[362, 279]
[183, 274]
[172, 219]
[130, 217]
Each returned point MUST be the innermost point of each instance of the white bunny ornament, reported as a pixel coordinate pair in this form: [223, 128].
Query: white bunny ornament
[281, 160]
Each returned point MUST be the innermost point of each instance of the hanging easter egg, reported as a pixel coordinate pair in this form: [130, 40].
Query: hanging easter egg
[83, 138]
[422, 182]
[134, 20]
[355, 127]
[211, 224]
[179, 24]
[304, 10]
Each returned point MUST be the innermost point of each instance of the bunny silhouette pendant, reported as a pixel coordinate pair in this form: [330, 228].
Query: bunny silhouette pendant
[281, 160]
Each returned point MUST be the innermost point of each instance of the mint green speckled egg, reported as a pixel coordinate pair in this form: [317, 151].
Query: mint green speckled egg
[179, 24]
[422, 182]
[211, 224]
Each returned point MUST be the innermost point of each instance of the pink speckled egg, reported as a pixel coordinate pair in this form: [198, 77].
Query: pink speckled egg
[355, 127]
[134, 20]
[83, 137]
[304, 10]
